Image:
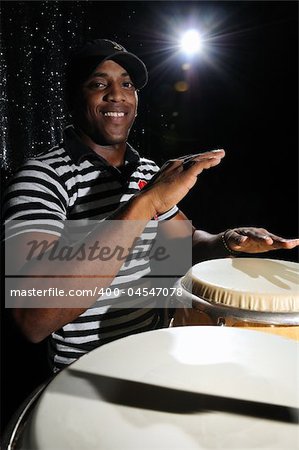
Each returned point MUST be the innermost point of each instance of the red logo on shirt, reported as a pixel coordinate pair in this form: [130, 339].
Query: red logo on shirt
[141, 184]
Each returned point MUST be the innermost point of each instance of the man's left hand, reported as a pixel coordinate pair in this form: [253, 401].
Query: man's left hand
[256, 240]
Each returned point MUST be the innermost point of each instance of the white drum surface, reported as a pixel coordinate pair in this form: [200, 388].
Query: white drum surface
[181, 388]
[252, 284]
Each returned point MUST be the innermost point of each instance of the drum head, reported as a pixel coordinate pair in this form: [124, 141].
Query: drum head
[251, 284]
[181, 388]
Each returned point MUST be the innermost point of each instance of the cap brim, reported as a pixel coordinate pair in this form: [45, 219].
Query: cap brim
[81, 67]
[133, 65]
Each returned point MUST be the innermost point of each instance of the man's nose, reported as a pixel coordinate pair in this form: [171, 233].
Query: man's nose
[115, 93]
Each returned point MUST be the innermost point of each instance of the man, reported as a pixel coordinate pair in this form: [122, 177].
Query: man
[95, 175]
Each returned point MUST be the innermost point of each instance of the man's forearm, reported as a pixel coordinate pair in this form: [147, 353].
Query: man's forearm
[121, 232]
[207, 246]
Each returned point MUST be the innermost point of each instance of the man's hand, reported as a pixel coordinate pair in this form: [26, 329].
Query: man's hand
[177, 177]
[256, 240]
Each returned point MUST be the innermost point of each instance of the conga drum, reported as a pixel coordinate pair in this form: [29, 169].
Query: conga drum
[176, 388]
[261, 294]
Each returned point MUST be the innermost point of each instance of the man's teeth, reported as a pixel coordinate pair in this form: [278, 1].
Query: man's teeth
[114, 114]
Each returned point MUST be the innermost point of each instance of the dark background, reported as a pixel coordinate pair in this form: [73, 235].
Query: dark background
[242, 96]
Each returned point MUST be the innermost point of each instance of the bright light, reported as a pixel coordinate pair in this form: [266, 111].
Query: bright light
[191, 42]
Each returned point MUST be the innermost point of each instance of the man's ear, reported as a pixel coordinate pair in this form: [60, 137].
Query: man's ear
[137, 99]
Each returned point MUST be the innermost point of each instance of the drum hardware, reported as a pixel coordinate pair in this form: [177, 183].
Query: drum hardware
[221, 321]
[233, 315]
[18, 422]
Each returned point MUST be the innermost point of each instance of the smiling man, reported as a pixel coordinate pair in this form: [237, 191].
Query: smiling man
[103, 95]
[96, 176]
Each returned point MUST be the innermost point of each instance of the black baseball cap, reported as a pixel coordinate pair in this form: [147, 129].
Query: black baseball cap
[88, 57]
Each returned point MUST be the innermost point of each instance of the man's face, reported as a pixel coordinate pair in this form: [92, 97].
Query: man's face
[106, 104]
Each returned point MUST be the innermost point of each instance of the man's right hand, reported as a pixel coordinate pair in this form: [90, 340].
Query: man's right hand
[177, 177]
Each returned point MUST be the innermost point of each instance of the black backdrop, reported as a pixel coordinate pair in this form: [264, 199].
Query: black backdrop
[242, 96]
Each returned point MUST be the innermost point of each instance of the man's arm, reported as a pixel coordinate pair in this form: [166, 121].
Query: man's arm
[232, 242]
[169, 187]
[90, 273]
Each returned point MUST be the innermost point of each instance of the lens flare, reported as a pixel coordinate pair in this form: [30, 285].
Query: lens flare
[191, 42]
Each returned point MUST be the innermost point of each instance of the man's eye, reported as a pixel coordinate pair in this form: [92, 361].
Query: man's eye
[97, 85]
[129, 85]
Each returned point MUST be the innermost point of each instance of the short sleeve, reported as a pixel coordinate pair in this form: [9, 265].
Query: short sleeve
[168, 214]
[35, 200]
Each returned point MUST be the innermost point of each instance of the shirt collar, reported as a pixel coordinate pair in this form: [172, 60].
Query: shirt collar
[77, 150]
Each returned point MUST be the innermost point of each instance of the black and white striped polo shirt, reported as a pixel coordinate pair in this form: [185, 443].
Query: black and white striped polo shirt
[70, 182]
